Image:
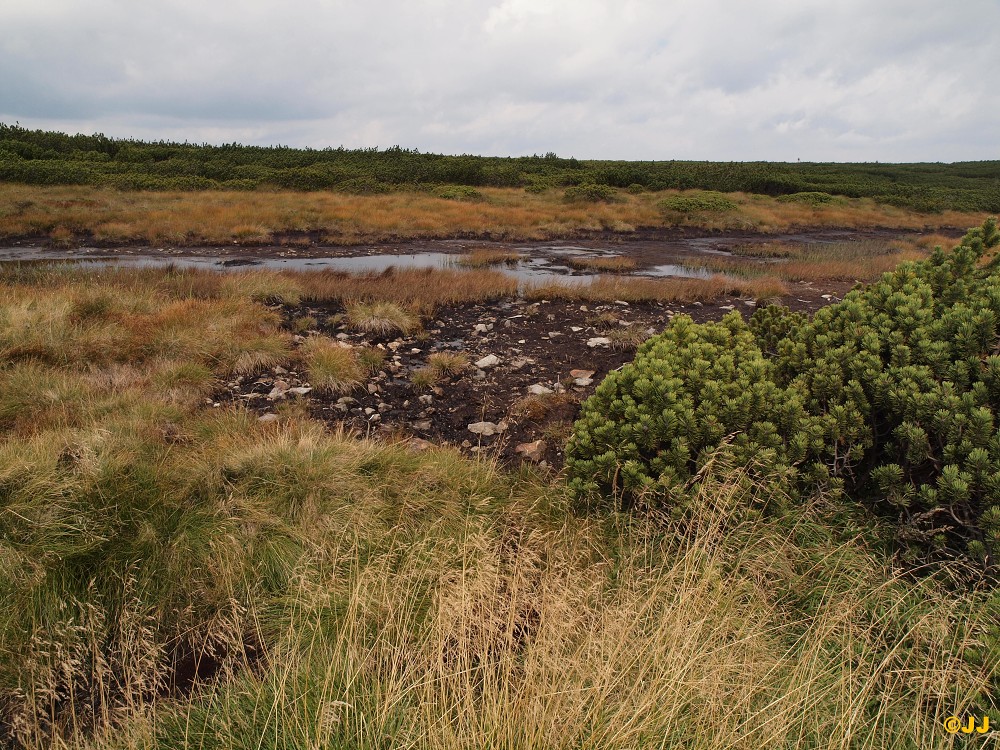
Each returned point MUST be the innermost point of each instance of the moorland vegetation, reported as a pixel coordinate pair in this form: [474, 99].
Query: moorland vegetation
[50, 158]
[181, 574]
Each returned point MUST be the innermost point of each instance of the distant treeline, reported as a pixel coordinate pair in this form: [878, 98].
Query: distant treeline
[50, 158]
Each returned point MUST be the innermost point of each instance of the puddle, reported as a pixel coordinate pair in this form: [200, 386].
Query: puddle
[530, 269]
[669, 269]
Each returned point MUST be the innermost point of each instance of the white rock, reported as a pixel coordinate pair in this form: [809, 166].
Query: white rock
[539, 390]
[480, 328]
[598, 341]
[302, 390]
[583, 382]
[267, 418]
[486, 429]
[575, 329]
[490, 360]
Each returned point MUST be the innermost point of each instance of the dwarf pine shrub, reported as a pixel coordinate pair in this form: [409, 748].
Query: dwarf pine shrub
[891, 394]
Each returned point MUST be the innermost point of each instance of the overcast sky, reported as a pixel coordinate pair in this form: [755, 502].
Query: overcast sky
[817, 80]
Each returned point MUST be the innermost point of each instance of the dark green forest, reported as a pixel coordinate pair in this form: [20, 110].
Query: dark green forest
[50, 158]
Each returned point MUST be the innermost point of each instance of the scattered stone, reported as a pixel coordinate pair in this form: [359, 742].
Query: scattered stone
[423, 425]
[581, 373]
[697, 304]
[342, 336]
[394, 345]
[479, 375]
[480, 328]
[466, 444]
[279, 390]
[726, 307]
[575, 329]
[486, 429]
[520, 362]
[583, 382]
[598, 341]
[373, 387]
[345, 400]
[539, 390]
[554, 334]
[533, 451]
[426, 399]
[369, 411]
[383, 407]
[490, 360]
[301, 390]
[279, 370]
[419, 445]
[270, 417]
[621, 302]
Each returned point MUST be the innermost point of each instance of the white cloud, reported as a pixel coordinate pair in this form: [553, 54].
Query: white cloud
[643, 79]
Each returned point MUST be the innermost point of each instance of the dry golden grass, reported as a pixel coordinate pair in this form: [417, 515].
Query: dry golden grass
[404, 599]
[613, 264]
[217, 217]
[382, 318]
[418, 289]
[839, 261]
[634, 289]
[486, 258]
[448, 363]
[530, 627]
[332, 366]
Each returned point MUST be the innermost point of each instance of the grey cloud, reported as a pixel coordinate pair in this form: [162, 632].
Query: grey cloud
[775, 79]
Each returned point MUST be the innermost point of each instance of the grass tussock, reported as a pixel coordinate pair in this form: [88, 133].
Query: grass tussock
[332, 366]
[381, 318]
[69, 213]
[448, 363]
[609, 264]
[487, 258]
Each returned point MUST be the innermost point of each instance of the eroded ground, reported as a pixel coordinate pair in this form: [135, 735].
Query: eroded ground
[530, 363]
